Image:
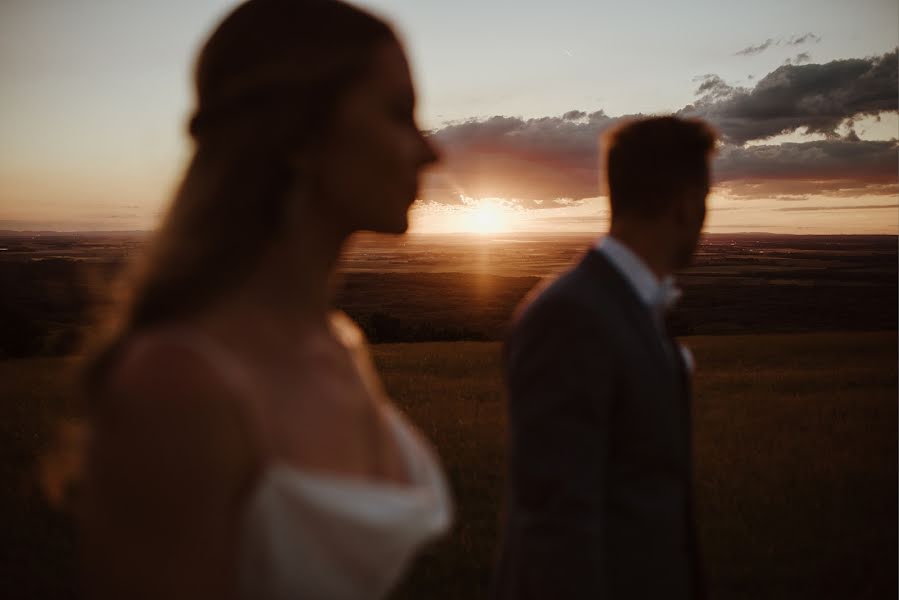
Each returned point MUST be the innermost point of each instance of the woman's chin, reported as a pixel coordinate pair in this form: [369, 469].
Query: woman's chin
[391, 226]
[398, 228]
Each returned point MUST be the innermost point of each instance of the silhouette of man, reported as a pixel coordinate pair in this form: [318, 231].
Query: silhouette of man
[599, 503]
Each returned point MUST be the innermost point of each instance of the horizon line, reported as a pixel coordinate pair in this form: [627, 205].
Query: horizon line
[85, 232]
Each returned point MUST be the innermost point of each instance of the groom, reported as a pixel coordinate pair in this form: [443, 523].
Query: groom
[600, 501]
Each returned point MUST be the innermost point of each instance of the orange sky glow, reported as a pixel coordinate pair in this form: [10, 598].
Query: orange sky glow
[96, 96]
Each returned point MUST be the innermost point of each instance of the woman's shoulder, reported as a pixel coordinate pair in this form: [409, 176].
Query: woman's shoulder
[171, 369]
[160, 353]
[168, 445]
[164, 391]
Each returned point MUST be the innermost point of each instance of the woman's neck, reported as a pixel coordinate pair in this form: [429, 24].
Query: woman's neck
[291, 288]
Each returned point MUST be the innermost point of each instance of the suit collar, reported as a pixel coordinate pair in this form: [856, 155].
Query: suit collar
[658, 294]
[599, 265]
[639, 315]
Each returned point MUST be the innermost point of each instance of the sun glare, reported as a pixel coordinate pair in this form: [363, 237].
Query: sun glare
[485, 217]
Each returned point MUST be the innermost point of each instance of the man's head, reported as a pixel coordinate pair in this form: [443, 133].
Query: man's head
[657, 175]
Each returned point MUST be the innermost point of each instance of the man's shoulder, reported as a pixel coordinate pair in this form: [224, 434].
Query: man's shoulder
[582, 292]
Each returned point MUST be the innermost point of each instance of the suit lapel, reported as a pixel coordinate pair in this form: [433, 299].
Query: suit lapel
[631, 304]
[667, 351]
[683, 373]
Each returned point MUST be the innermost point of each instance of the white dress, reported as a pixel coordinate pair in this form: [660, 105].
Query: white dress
[312, 535]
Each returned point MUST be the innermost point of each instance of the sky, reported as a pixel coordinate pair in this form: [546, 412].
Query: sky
[96, 94]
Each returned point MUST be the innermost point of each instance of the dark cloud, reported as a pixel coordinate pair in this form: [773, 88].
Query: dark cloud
[566, 171]
[574, 115]
[799, 59]
[818, 97]
[834, 159]
[713, 87]
[751, 50]
[793, 40]
[797, 40]
[550, 161]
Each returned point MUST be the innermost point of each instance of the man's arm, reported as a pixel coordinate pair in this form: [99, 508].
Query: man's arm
[560, 392]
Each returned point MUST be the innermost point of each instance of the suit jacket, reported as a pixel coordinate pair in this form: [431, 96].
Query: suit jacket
[599, 501]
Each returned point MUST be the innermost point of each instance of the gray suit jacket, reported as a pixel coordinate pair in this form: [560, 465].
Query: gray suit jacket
[599, 501]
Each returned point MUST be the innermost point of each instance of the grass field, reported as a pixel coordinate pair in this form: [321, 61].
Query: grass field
[795, 450]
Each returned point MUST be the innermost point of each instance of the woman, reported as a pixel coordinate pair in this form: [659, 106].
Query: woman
[243, 446]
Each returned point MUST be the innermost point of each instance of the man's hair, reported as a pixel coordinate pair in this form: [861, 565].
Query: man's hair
[649, 160]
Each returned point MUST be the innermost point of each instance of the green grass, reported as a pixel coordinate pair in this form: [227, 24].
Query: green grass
[795, 450]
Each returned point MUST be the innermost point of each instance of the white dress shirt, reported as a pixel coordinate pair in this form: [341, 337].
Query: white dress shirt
[657, 295]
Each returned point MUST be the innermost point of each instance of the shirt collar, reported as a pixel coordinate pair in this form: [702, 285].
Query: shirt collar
[657, 295]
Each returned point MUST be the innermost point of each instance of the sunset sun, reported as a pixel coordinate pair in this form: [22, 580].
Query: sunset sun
[485, 217]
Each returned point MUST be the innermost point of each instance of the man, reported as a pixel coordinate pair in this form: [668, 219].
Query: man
[599, 502]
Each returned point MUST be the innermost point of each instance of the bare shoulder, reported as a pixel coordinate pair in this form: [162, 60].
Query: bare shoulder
[170, 467]
[170, 397]
[160, 372]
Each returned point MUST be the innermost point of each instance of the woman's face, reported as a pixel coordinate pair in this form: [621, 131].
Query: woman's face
[366, 171]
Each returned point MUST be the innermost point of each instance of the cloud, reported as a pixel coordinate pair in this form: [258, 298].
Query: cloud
[843, 207]
[527, 159]
[797, 40]
[793, 40]
[752, 50]
[588, 223]
[713, 87]
[574, 115]
[799, 59]
[816, 96]
[828, 160]
[801, 189]
[546, 162]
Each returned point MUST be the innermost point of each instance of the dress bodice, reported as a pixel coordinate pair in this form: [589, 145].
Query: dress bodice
[311, 534]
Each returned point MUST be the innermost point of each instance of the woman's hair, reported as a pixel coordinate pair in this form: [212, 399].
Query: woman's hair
[267, 83]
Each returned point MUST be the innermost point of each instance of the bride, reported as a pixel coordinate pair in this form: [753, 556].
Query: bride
[243, 446]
